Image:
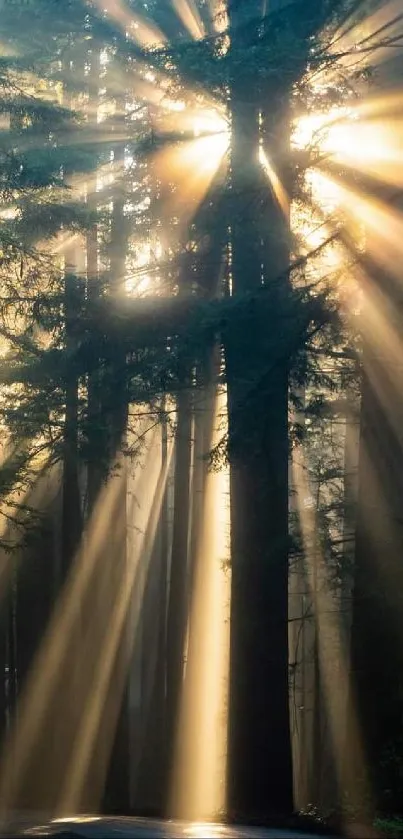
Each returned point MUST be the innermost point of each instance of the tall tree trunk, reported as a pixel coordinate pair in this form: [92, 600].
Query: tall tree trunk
[318, 710]
[71, 521]
[178, 577]
[96, 439]
[260, 771]
[300, 632]
[351, 461]
[9, 683]
[376, 644]
[117, 792]
[150, 789]
[71, 496]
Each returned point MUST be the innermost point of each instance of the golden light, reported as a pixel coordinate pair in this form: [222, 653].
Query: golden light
[189, 118]
[140, 282]
[382, 227]
[329, 639]
[190, 167]
[374, 106]
[357, 138]
[381, 333]
[370, 42]
[57, 754]
[205, 830]
[276, 185]
[188, 13]
[8, 213]
[142, 31]
[77, 819]
[65, 240]
[219, 15]
[209, 122]
[359, 143]
[207, 152]
[174, 105]
[199, 779]
[366, 139]
[332, 131]
[103, 700]
[35, 706]
[326, 191]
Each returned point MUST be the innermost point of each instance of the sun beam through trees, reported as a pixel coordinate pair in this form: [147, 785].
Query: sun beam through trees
[200, 324]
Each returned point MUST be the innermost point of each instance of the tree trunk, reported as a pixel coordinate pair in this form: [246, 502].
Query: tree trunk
[96, 471]
[150, 788]
[71, 496]
[376, 644]
[178, 577]
[117, 792]
[71, 523]
[260, 771]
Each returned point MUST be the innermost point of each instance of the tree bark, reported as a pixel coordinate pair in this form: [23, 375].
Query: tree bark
[260, 770]
[117, 790]
[376, 643]
[71, 496]
[178, 577]
[96, 471]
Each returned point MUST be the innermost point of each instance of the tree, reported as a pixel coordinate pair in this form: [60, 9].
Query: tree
[376, 647]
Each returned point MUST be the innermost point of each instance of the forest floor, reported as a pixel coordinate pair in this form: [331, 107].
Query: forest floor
[390, 827]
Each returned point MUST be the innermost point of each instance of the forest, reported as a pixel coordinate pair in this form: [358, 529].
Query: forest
[201, 454]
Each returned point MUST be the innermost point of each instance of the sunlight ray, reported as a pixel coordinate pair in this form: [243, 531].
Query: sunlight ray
[34, 706]
[188, 13]
[371, 146]
[199, 777]
[382, 223]
[374, 106]
[333, 655]
[276, 185]
[190, 166]
[95, 723]
[364, 43]
[64, 240]
[185, 116]
[81, 664]
[381, 334]
[145, 33]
